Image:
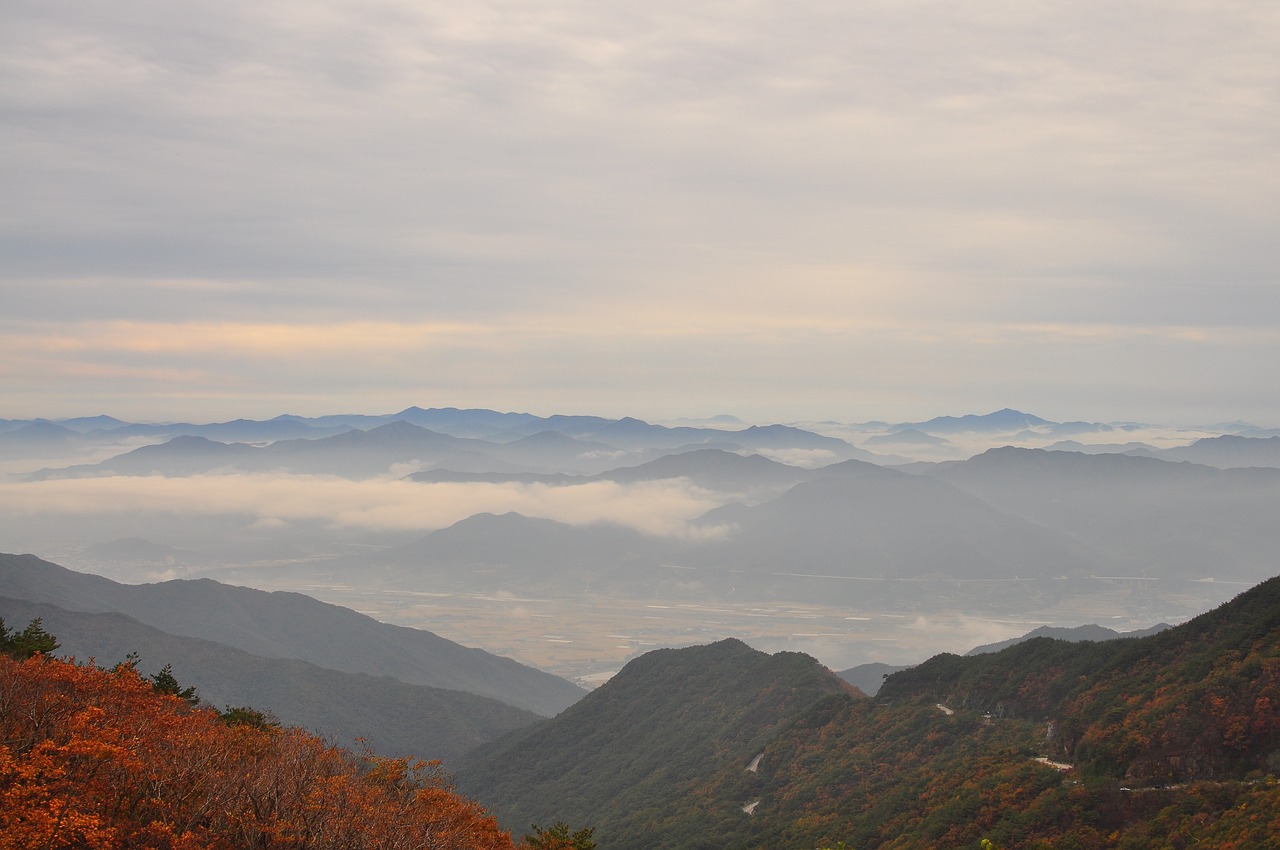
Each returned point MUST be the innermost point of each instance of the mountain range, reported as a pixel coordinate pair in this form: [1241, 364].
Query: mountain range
[581, 445]
[851, 528]
[485, 441]
[1007, 529]
[589, 511]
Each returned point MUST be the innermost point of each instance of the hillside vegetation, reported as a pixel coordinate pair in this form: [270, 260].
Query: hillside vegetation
[93, 758]
[1198, 701]
[1172, 741]
[393, 717]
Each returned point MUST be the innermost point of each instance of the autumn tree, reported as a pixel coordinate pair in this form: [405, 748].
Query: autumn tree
[93, 758]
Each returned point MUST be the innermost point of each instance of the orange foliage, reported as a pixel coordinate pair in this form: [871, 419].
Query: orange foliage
[91, 758]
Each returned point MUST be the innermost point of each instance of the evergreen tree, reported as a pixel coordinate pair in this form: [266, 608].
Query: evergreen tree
[26, 643]
[243, 715]
[166, 683]
[558, 837]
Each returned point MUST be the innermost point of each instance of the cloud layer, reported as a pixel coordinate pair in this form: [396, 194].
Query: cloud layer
[273, 501]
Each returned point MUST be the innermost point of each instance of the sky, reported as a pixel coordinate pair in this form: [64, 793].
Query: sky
[870, 209]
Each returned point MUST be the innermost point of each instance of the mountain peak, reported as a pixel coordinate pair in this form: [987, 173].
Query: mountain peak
[1005, 420]
[641, 739]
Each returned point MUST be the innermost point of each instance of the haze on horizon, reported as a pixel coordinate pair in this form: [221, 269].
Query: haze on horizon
[841, 212]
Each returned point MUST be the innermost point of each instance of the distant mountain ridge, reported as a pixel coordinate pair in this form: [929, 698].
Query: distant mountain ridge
[352, 452]
[905, 437]
[1071, 634]
[513, 551]
[488, 442]
[1004, 421]
[290, 625]
[1009, 530]
[1229, 451]
[869, 677]
[848, 525]
[1140, 515]
[714, 469]
[582, 445]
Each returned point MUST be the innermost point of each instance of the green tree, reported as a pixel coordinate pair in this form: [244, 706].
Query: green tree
[558, 837]
[243, 715]
[27, 642]
[166, 683]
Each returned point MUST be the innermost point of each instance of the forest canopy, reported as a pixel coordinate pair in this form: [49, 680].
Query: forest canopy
[95, 758]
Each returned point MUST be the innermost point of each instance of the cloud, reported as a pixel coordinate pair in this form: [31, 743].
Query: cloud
[965, 633]
[274, 501]
[555, 198]
[844, 367]
[363, 143]
[807, 458]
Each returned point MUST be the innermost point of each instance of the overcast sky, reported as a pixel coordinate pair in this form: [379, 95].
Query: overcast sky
[884, 209]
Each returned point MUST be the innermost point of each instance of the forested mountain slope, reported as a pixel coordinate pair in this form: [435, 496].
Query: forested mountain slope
[1162, 741]
[625, 757]
[1196, 701]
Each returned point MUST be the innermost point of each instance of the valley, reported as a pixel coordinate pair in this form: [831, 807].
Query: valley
[586, 638]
